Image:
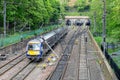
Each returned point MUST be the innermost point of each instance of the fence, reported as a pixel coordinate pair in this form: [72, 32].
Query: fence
[9, 40]
[112, 63]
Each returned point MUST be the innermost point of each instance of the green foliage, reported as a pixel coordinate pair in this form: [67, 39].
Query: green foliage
[117, 60]
[30, 12]
[112, 17]
[96, 8]
[72, 14]
[25, 35]
[110, 51]
[56, 10]
[98, 40]
[82, 5]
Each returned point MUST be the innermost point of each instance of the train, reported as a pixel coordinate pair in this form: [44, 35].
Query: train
[37, 48]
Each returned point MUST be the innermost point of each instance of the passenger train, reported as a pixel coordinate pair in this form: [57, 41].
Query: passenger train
[36, 48]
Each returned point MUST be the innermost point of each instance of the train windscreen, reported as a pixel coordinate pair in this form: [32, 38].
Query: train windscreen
[34, 47]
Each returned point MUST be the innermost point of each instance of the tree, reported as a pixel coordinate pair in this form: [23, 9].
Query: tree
[112, 19]
[30, 12]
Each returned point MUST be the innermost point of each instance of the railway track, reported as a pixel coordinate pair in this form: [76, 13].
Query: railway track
[10, 59]
[72, 68]
[76, 62]
[45, 73]
[4, 68]
[15, 70]
[25, 72]
[20, 68]
[62, 64]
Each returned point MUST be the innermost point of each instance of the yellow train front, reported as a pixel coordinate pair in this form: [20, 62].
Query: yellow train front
[34, 49]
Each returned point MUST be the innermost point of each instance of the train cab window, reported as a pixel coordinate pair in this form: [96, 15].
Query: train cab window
[33, 47]
[30, 47]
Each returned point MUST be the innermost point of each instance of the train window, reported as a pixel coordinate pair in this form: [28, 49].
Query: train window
[33, 47]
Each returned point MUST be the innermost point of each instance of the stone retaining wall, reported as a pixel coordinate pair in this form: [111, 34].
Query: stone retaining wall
[14, 48]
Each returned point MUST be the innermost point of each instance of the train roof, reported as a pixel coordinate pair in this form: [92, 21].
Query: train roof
[58, 30]
[45, 36]
[35, 41]
[48, 35]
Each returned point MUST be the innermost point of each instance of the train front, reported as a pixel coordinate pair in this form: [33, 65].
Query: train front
[34, 50]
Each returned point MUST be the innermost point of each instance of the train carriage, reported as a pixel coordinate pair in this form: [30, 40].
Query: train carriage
[36, 48]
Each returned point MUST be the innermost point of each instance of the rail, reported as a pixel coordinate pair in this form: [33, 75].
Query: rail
[61, 66]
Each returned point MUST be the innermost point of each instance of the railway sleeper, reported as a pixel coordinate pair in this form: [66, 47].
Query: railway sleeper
[62, 62]
[64, 58]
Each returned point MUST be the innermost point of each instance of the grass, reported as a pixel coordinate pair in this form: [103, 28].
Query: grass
[110, 51]
[98, 40]
[72, 13]
[117, 60]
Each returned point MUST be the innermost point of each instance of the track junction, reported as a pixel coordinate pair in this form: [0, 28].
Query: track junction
[79, 59]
